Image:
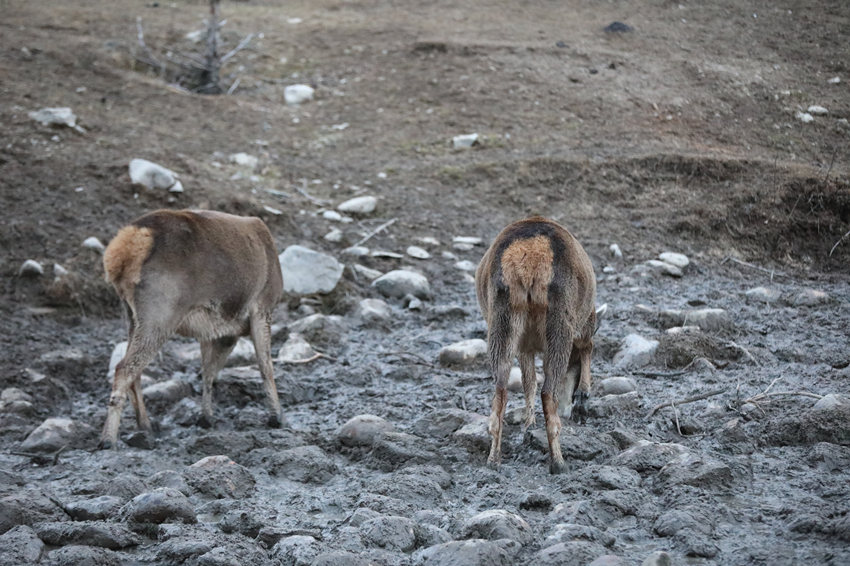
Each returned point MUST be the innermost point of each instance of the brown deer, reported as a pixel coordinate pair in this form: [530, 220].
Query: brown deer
[204, 274]
[537, 291]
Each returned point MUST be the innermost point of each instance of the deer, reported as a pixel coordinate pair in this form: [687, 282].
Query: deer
[203, 274]
[537, 291]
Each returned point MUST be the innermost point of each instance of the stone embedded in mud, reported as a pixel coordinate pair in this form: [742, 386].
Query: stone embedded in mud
[567, 532]
[396, 449]
[617, 385]
[373, 311]
[295, 349]
[498, 524]
[573, 553]
[341, 558]
[20, 545]
[162, 505]
[172, 479]
[679, 260]
[306, 464]
[83, 555]
[391, 532]
[362, 430]
[57, 116]
[94, 509]
[443, 422]
[830, 402]
[636, 351]
[658, 558]
[168, 391]
[359, 205]
[464, 353]
[474, 552]
[810, 298]
[663, 267]
[31, 268]
[763, 294]
[320, 328]
[90, 533]
[401, 282]
[125, 486]
[675, 520]
[475, 436]
[417, 252]
[220, 477]
[17, 401]
[648, 456]
[612, 405]
[824, 425]
[297, 550]
[609, 560]
[306, 272]
[705, 319]
[153, 176]
[56, 433]
[466, 265]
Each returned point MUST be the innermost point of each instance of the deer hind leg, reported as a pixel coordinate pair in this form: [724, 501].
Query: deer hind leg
[500, 347]
[140, 352]
[213, 356]
[584, 350]
[529, 386]
[555, 366]
[261, 336]
[142, 419]
[566, 387]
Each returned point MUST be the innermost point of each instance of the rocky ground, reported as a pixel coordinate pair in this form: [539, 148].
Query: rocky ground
[719, 427]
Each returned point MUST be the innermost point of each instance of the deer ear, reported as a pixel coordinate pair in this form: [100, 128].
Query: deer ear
[600, 314]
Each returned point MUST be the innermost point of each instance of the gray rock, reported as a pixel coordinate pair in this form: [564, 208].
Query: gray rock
[306, 271]
[295, 349]
[430, 535]
[441, 423]
[568, 532]
[55, 433]
[243, 353]
[705, 319]
[298, 550]
[469, 240]
[172, 479]
[391, 532]
[334, 236]
[574, 553]
[810, 298]
[168, 391]
[664, 268]
[95, 509]
[220, 477]
[14, 400]
[649, 456]
[306, 464]
[321, 329]
[675, 520]
[366, 272]
[362, 430]
[613, 405]
[125, 486]
[58, 116]
[245, 160]
[817, 110]
[475, 552]
[679, 260]
[153, 176]
[359, 205]
[498, 524]
[396, 449]
[658, 558]
[417, 252]
[763, 294]
[697, 470]
[341, 558]
[373, 311]
[466, 265]
[79, 555]
[90, 533]
[464, 353]
[162, 505]
[400, 282]
[298, 93]
[609, 560]
[31, 268]
[475, 435]
[356, 251]
[830, 402]
[616, 386]
[20, 545]
[635, 352]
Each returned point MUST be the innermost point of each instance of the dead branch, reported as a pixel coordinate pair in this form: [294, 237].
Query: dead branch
[420, 359]
[383, 226]
[234, 85]
[676, 414]
[691, 399]
[746, 352]
[841, 239]
[303, 192]
[755, 399]
[313, 358]
[242, 45]
[770, 272]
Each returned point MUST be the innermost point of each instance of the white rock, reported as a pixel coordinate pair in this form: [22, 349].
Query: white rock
[429, 241]
[373, 310]
[334, 235]
[617, 386]
[151, 175]
[363, 430]
[414, 304]
[679, 260]
[359, 205]
[59, 271]
[810, 298]
[466, 265]
[177, 187]
[243, 353]
[332, 215]
[400, 282]
[244, 160]
[54, 117]
[306, 271]
[804, 117]
[295, 349]
[834, 80]
[636, 351]
[471, 240]
[356, 251]
[763, 294]
[296, 94]
[367, 272]
[616, 251]
[385, 254]
[93, 243]
[462, 247]
[31, 268]
[664, 267]
[272, 210]
[417, 252]
[464, 353]
[464, 141]
[708, 319]
[817, 110]
[51, 435]
[445, 254]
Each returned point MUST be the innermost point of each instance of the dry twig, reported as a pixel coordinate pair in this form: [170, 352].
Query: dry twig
[691, 399]
[368, 236]
[770, 272]
[308, 196]
[419, 359]
[312, 358]
[841, 239]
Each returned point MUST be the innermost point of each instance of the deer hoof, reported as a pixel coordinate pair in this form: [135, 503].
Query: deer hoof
[579, 413]
[205, 421]
[557, 467]
[275, 420]
[106, 444]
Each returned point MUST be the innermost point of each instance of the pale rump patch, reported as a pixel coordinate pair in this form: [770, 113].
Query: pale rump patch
[124, 256]
[527, 269]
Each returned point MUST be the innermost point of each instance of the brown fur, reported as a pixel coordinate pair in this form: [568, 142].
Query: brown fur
[203, 274]
[537, 291]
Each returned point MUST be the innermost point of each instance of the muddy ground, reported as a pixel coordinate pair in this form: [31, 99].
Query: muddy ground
[679, 135]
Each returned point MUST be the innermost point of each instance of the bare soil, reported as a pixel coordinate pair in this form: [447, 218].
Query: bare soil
[679, 135]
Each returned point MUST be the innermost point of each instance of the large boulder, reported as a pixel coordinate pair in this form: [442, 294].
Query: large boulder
[306, 271]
